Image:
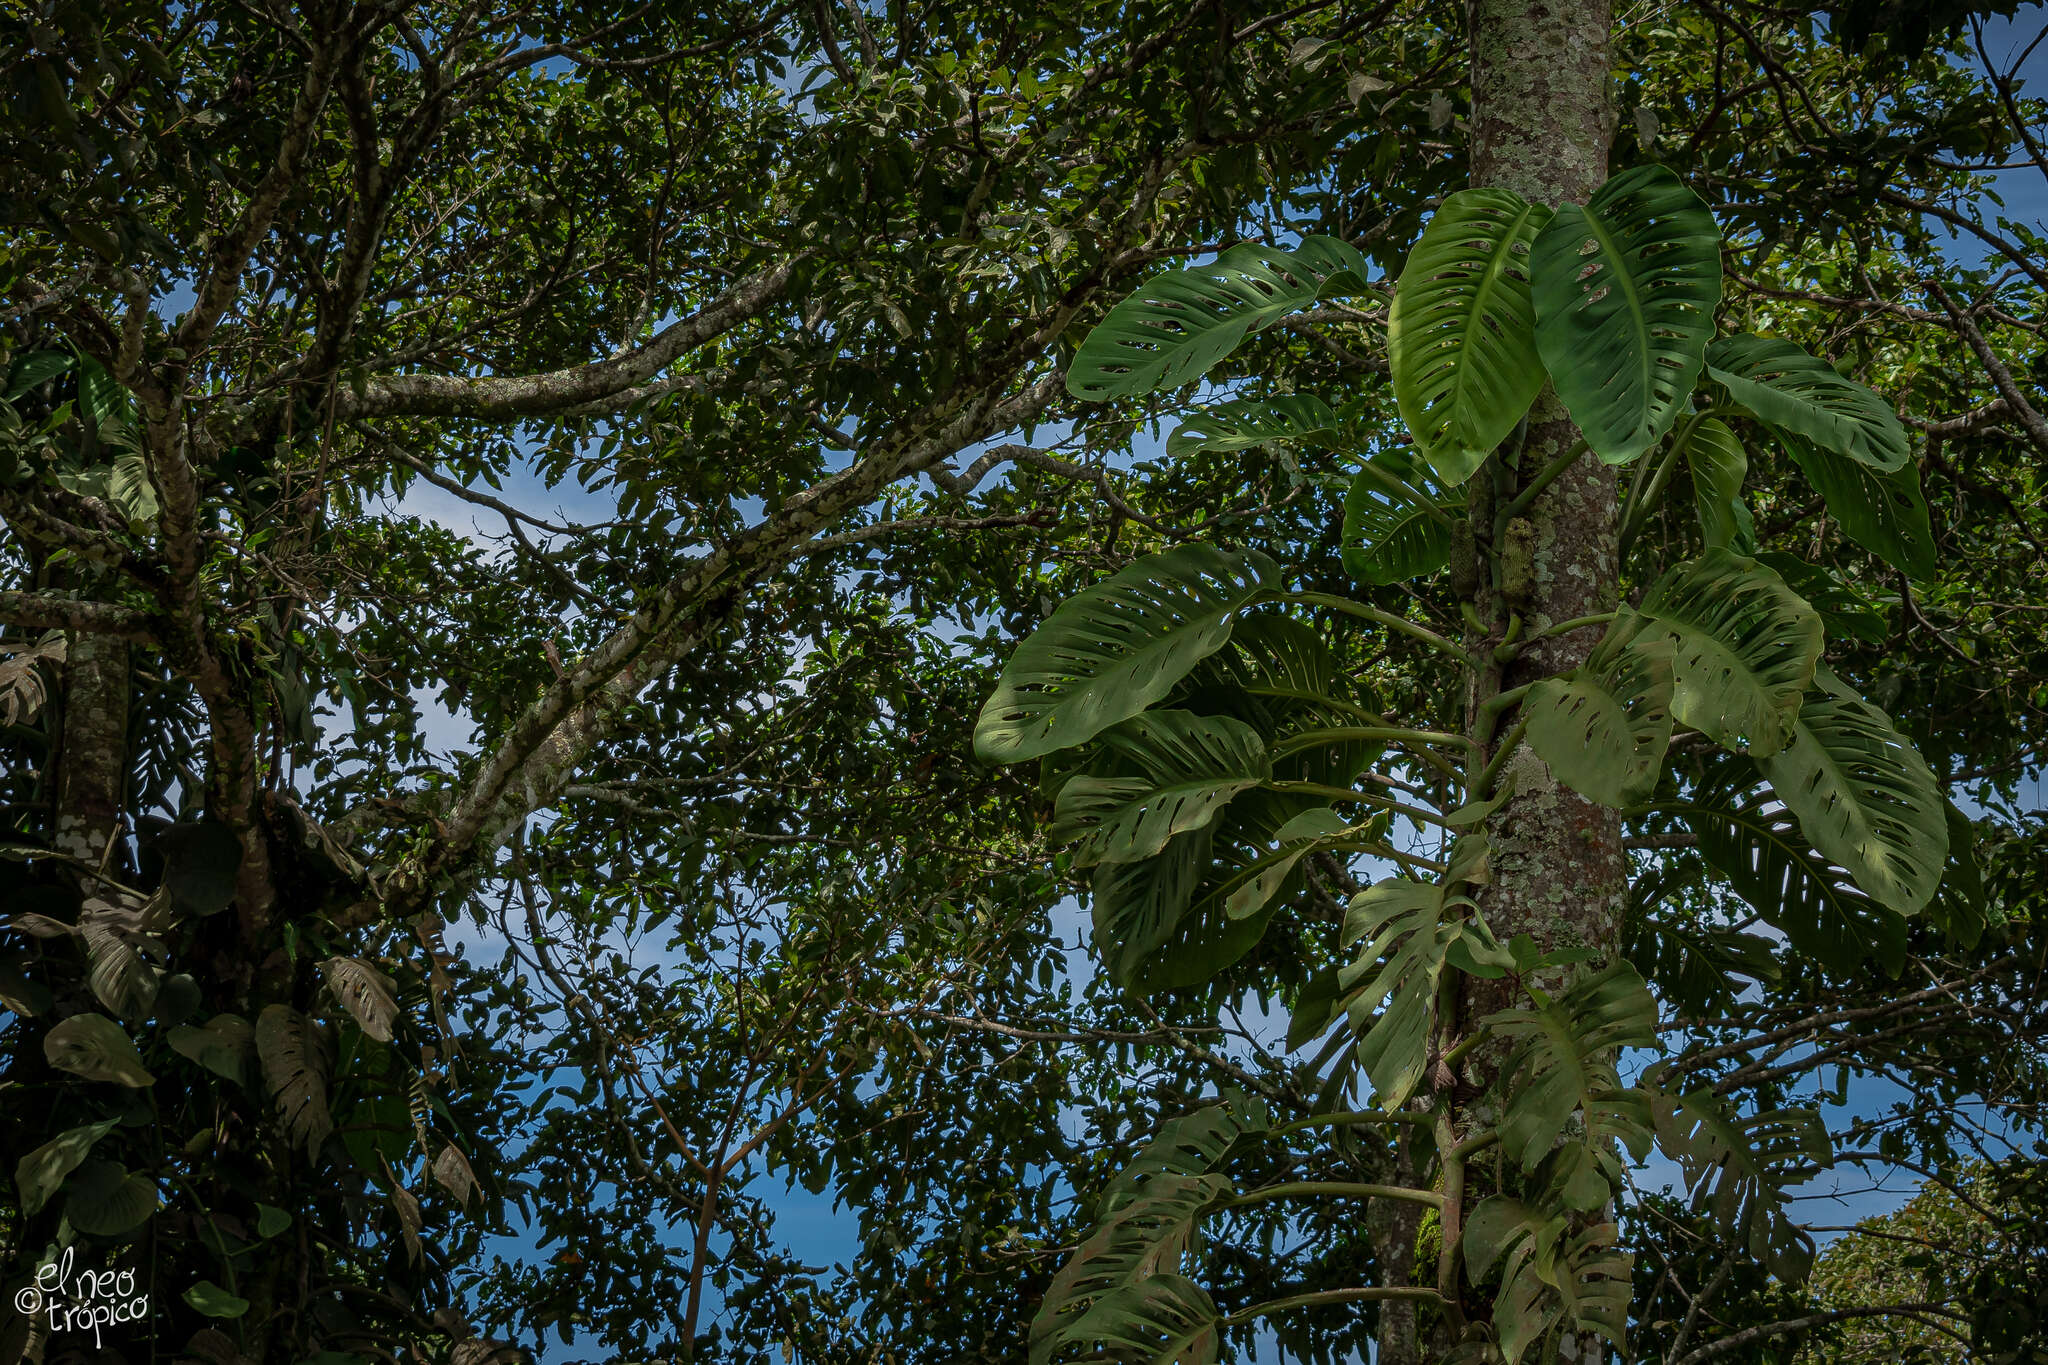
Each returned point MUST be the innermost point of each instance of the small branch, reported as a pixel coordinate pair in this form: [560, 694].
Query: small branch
[40, 611]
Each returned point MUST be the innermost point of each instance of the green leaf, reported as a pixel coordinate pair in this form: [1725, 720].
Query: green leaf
[105, 1199]
[1863, 795]
[1162, 1320]
[1112, 650]
[116, 972]
[1138, 1243]
[1884, 513]
[1246, 422]
[100, 399]
[1396, 524]
[1718, 464]
[1551, 1278]
[1193, 765]
[1736, 1168]
[1745, 648]
[1297, 839]
[365, 992]
[129, 489]
[1461, 338]
[1188, 1144]
[38, 1174]
[1625, 290]
[1843, 611]
[1603, 728]
[1790, 391]
[1746, 835]
[1176, 326]
[295, 1068]
[31, 368]
[209, 1298]
[1960, 910]
[271, 1221]
[223, 1045]
[1137, 906]
[1563, 1063]
[93, 1046]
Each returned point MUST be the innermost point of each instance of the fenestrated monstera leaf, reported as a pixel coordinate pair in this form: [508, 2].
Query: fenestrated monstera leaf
[1188, 1144]
[1138, 905]
[1461, 337]
[1163, 1320]
[1745, 647]
[1564, 1063]
[1396, 525]
[1736, 1167]
[1604, 727]
[223, 1045]
[1246, 422]
[1175, 326]
[1790, 391]
[1746, 834]
[1625, 290]
[1140, 1241]
[1863, 795]
[1193, 765]
[1551, 1276]
[1884, 513]
[365, 992]
[1718, 464]
[295, 1068]
[1112, 650]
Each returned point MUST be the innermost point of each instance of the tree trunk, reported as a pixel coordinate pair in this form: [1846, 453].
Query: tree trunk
[92, 757]
[1541, 125]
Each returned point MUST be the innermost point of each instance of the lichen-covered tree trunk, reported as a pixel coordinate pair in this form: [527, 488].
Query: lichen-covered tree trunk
[1541, 124]
[92, 756]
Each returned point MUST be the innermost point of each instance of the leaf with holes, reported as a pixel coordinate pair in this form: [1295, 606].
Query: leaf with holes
[1736, 1169]
[1718, 463]
[93, 1046]
[365, 992]
[1884, 513]
[1397, 524]
[1114, 649]
[1189, 1144]
[1744, 648]
[1552, 1278]
[116, 971]
[1790, 391]
[1298, 838]
[1192, 766]
[1863, 795]
[1139, 1242]
[1247, 422]
[39, 1174]
[1625, 290]
[1746, 834]
[295, 1068]
[1604, 727]
[1162, 1320]
[1176, 326]
[1461, 337]
[1563, 1063]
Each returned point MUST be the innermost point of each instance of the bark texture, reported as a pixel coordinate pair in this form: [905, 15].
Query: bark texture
[92, 766]
[1541, 126]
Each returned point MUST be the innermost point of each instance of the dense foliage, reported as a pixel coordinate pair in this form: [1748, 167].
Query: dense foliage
[512, 519]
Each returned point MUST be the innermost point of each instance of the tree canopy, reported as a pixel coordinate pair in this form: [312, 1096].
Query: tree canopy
[1262, 682]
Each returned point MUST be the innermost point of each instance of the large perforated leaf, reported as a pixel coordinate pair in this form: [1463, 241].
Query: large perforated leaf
[1461, 338]
[1175, 326]
[1192, 765]
[1397, 522]
[1746, 834]
[1744, 648]
[1089, 1301]
[1112, 650]
[1863, 795]
[1736, 1169]
[1563, 1062]
[1790, 391]
[1163, 1320]
[1625, 290]
[1604, 728]
[1246, 422]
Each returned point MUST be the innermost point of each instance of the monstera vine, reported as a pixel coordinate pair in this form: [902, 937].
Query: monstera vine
[1202, 743]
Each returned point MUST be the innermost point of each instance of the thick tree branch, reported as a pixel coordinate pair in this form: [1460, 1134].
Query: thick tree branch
[41, 611]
